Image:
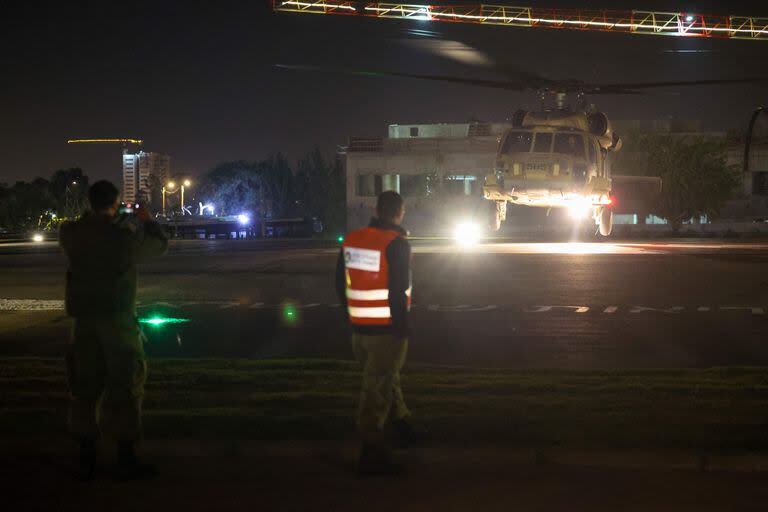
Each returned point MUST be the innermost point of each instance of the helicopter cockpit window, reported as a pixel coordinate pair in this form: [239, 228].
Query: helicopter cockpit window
[569, 144]
[517, 142]
[543, 143]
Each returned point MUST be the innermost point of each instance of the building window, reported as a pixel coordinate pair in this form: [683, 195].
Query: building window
[390, 182]
[413, 185]
[461, 185]
[371, 185]
[368, 185]
[414, 131]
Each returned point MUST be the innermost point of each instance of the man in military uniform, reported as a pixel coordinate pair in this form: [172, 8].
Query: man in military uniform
[373, 281]
[105, 360]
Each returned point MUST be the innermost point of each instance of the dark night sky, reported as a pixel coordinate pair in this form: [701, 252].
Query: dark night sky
[195, 79]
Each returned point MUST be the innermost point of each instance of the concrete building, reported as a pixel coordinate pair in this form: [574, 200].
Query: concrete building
[439, 170]
[137, 169]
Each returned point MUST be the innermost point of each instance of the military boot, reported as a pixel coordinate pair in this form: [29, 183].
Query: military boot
[376, 460]
[129, 467]
[407, 434]
[88, 452]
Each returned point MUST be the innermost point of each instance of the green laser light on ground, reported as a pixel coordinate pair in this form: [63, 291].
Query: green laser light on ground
[158, 321]
[290, 313]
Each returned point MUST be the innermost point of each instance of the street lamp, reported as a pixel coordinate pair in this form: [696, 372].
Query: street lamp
[186, 183]
[168, 187]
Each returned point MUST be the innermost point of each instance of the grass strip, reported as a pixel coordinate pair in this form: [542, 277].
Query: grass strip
[719, 409]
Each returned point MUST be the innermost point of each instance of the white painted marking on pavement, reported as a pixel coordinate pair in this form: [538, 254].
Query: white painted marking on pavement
[610, 309]
[461, 308]
[703, 309]
[643, 309]
[754, 310]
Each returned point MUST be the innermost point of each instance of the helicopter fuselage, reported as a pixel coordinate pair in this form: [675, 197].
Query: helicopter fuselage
[553, 159]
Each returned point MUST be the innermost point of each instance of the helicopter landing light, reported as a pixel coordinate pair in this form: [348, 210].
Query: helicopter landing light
[580, 209]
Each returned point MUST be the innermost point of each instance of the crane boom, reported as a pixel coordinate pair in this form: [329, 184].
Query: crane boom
[105, 141]
[681, 24]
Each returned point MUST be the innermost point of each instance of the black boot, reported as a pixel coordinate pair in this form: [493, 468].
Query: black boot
[377, 460]
[129, 467]
[87, 459]
[407, 435]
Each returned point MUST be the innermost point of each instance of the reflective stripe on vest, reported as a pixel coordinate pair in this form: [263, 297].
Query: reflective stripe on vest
[367, 276]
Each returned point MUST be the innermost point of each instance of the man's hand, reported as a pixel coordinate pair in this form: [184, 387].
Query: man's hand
[142, 213]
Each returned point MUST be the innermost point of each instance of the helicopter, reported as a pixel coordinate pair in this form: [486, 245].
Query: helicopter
[558, 156]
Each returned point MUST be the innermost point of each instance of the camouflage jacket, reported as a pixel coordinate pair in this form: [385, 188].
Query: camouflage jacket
[102, 254]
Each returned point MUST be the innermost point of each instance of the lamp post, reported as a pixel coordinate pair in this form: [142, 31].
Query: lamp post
[186, 183]
[167, 188]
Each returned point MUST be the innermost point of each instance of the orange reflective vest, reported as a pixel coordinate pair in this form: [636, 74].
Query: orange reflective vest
[367, 276]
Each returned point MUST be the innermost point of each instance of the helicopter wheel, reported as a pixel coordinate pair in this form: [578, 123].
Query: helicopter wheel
[605, 218]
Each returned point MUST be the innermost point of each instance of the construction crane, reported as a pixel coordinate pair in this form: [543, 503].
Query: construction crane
[681, 24]
[138, 142]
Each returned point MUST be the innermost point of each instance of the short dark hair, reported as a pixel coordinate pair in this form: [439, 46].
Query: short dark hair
[102, 195]
[388, 205]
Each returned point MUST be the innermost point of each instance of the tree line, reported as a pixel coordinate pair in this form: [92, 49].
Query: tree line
[313, 188]
[696, 177]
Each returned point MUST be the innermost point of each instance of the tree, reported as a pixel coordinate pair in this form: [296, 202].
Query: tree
[233, 187]
[277, 178]
[24, 205]
[69, 192]
[696, 179]
[320, 188]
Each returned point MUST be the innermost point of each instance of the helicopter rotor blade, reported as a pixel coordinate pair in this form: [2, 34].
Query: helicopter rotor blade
[495, 84]
[531, 81]
[623, 88]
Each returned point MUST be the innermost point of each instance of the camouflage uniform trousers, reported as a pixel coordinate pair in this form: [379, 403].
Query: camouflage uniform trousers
[381, 398]
[106, 371]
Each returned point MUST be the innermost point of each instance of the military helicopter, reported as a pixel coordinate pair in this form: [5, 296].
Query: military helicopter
[558, 156]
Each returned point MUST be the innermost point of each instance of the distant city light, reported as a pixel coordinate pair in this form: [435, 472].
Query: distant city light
[37, 237]
[340, 239]
[171, 184]
[187, 183]
[244, 219]
[689, 18]
[53, 215]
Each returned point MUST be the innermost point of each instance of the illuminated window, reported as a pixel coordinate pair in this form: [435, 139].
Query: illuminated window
[459, 185]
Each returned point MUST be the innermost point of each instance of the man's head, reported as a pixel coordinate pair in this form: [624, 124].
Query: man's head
[390, 207]
[104, 197]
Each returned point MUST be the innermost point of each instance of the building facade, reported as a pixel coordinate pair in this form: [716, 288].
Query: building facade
[437, 168]
[137, 170]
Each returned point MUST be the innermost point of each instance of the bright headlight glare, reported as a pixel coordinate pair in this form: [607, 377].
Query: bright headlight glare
[37, 237]
[467, 233]
[580, 209]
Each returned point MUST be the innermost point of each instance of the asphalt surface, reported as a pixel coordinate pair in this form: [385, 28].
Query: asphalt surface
[530, 305]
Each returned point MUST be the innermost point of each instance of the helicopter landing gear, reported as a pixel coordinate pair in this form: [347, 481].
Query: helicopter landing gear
[605, 220]
[498, 215]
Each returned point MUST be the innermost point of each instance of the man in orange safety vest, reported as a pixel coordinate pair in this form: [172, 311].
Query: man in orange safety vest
[373, 281]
